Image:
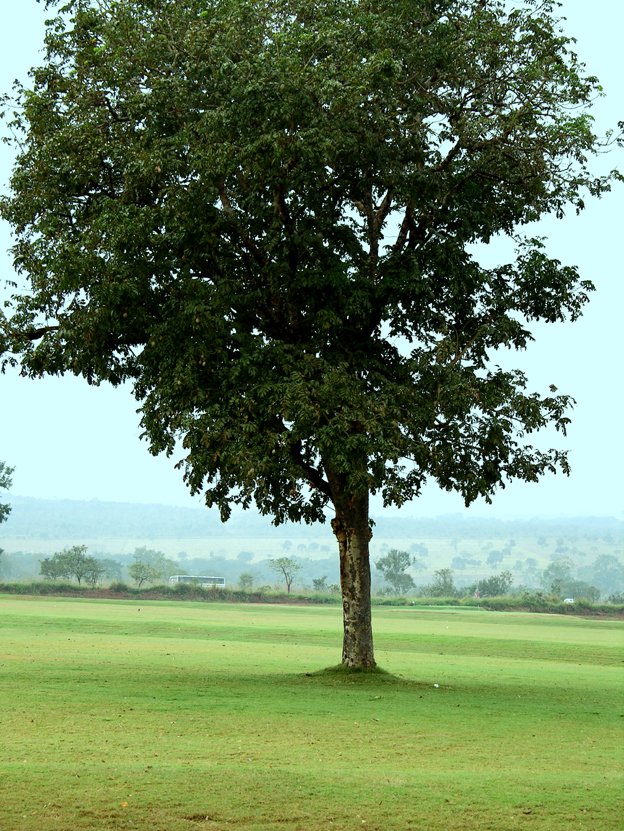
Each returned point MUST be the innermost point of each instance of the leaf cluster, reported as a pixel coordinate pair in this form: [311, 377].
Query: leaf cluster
[6, 481]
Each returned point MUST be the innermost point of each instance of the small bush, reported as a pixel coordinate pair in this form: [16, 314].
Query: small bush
[118, 587]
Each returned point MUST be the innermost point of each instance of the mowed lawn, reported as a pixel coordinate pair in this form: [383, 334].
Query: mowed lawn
[172, 716]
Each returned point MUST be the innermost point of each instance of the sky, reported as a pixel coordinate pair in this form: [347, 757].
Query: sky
[67, 440]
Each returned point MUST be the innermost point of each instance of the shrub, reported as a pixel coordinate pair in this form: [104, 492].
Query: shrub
[118, 587]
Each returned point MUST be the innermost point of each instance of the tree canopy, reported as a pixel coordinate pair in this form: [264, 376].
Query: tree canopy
[394, 570]
[287, 568]
[264, 215]
[6, 481]
[73, 562]
[149, 566]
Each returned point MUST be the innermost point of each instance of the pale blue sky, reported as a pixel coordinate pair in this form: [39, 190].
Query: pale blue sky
[70, 441]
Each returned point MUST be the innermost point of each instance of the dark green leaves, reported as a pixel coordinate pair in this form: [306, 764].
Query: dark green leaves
[5, 483]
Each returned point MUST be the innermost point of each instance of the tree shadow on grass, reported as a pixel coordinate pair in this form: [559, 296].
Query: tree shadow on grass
[341, 675]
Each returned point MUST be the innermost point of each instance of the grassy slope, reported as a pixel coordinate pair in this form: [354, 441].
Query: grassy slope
[196, 717]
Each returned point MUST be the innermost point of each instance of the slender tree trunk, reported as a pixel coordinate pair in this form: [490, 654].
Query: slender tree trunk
[352, 529]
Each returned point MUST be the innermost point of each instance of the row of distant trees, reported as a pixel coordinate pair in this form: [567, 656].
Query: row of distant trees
[74, 563]
[149, 566]
[557, 579]
[394, 567]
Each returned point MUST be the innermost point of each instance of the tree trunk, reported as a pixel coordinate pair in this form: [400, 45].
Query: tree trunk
[352, 529]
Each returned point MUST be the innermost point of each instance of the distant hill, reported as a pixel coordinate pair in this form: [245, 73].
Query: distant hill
[65, 518]
[49, 519]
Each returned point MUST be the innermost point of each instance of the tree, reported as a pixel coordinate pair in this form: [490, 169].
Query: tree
[319, 584]
[94, 571]
[606, 572]
[287, 567]
[72, 563]
[111, 569]
[558, 575]
[160, 565]
[142, 572]
[246, 581]
[443, 584]
[6, 481]
[150, 565]
[559, 580]
[580, 590]
[5, 509]
[495, 557]
[263, 214]
[393, 567]
[494, 586]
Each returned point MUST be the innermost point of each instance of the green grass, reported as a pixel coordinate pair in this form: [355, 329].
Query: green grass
[173, 716]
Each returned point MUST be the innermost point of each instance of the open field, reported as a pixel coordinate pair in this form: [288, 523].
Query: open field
[201, 717]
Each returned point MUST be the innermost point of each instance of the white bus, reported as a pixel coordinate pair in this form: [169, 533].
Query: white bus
[206, 582]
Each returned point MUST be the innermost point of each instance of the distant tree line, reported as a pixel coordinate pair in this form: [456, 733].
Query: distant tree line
[558, 580]
[396, 573]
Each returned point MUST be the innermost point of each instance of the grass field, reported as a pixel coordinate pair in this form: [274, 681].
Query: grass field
[197, 717]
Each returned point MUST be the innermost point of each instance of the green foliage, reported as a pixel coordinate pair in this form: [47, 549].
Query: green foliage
[73, 563]
[494, 586]
[246, 581]
[142, 573]
[606, 573]
[557, 575]
[393, 568]
[118, 587]
[287, 567]
[222, 231]
[558, 579]
[443, 584]
[111, 569]
[149, 566]
[6, 481]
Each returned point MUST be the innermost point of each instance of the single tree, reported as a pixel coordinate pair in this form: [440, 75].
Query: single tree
[142, 572]
[287, 567]
[156, 563]
[495, 557]
[443, 584]
[558, 575]
[494, 586]
[319, 584]
[246, 581]
[94, 571]
[264, 215]
[5, 483]
[394, 570]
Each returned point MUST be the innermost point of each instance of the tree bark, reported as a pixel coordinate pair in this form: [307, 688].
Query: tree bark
[352, 529]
